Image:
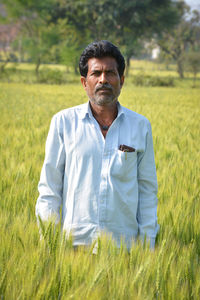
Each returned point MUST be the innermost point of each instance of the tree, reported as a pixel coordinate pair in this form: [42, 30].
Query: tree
[125, 23]
[184, 36]
[141, 20]
[193, 64]
[38, 41]
[38, 34]
[7, 37]
[71, 44]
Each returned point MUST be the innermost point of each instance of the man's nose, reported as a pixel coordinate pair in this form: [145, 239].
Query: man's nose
[103, 78]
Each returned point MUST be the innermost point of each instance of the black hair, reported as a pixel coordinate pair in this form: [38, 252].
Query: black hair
[101, 49]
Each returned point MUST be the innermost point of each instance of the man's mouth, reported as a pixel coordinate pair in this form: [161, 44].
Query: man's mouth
[103, 89]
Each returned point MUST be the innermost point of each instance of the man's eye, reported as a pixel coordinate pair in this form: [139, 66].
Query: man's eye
[111, 72]
[96, 73]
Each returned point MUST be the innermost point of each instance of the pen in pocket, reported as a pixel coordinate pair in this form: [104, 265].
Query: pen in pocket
[126, 149]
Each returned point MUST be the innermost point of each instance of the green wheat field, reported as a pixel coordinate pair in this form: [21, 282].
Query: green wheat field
[49, 268]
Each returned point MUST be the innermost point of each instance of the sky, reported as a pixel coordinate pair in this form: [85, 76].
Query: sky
[195, 4]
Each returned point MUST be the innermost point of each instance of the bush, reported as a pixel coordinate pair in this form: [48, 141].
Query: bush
[148, 80]
[51, 77]
[6, 73]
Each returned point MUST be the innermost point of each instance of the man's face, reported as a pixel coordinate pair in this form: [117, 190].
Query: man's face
[102, 83]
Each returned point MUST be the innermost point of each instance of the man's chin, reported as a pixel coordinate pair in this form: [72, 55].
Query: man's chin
[104, 101]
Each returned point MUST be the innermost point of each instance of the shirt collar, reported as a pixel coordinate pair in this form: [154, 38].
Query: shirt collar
[86, 110]
[120, 109]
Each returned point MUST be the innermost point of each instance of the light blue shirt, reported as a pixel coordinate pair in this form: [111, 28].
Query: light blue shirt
[99, 187]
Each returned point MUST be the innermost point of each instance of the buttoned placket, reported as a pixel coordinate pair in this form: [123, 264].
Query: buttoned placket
[109, 145]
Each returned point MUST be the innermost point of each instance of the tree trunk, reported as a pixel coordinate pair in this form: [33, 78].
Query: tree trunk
[2, 66]
[20, 50]
[37, 67]
[194, 80]
[76, 69]
[128, 61]
[180, 68]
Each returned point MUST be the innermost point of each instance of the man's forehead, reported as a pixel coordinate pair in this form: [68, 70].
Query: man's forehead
[102, 62]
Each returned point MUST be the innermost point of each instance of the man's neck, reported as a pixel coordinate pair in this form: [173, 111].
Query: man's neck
[105, 114]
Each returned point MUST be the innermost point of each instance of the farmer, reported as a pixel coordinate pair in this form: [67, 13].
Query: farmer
[99, 168]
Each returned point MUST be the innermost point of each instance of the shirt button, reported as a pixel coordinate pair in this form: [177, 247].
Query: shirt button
[101, 201]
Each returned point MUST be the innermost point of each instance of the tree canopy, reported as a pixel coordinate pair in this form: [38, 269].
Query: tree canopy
[69, 25]
[184, 37]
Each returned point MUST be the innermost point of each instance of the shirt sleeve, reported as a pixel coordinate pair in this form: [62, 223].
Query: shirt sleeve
[51, 180]
[147, 186]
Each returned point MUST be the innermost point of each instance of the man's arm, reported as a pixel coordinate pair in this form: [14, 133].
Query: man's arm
[147, 185]
[51, 180]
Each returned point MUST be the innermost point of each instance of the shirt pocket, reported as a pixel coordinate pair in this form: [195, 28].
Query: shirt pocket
[124, 165]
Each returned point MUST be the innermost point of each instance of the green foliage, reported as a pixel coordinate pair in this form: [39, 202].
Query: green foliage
[125, 23]
[142, 79]
[72, 45]
[176, 43]
[193, 64]
[24, 73]
[32, 267]
[193, 60]
[28, 8]
[50, 76]
[37, 35]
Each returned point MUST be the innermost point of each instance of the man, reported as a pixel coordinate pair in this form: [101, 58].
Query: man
[99, 163]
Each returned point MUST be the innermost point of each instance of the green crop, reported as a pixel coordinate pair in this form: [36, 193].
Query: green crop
[49, 268]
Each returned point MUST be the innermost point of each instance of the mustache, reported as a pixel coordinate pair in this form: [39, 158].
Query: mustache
[103, 87]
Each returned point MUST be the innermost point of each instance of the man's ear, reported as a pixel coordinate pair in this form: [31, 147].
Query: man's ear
[122, 81]
[83, 81]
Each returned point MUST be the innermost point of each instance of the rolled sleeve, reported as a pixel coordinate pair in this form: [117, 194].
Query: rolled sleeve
[147, 189]
[51, 180]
